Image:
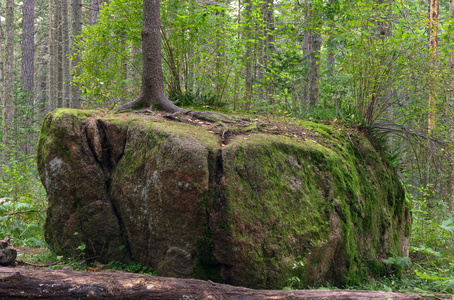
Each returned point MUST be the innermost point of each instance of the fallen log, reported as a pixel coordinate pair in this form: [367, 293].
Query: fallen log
[22, 282]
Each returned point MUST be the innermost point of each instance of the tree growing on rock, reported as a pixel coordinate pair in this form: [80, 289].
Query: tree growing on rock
[152, 90]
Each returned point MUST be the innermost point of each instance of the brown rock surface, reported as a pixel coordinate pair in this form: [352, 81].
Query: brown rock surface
[7, 253]
[254, 209]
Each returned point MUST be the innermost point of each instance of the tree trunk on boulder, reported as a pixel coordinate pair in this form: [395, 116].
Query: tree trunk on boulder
[152, 90]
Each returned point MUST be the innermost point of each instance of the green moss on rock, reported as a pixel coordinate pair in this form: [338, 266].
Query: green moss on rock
[257, 212]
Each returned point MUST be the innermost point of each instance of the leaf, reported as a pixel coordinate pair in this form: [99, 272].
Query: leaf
[446, 225]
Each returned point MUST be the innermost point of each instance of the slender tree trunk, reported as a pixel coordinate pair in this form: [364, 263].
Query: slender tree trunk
[65, 50]
[94, 4]
[2, 36]
[28, 66]
[42, 85]
[330, 46]
[52, 98]
[8, 107]
[268, 49]
[152, 91]
[59, 44]
[315, 42]
[220, 53]
[450, 120]
[248, 55]
[76, 28]
[306, 55]
[28, 42]
[433, 44]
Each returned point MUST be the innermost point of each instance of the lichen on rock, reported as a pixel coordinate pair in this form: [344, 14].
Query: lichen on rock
[254, 212]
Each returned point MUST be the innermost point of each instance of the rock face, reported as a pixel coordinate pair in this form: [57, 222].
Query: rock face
[7, 253]
[255, 212]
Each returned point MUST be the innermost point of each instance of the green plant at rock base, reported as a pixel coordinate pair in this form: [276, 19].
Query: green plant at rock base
[131, 267]
[397, 264]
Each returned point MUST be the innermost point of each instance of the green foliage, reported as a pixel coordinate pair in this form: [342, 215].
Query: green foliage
[23, 203]
[397, 264]
[432, 259]
[105, 48]
[131, 267]
[196, 98]
[22, 197]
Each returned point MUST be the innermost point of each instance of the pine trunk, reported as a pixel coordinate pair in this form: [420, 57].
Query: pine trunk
[248, 55]
[94, 11]
[152, 90]
[59, 44]
[433, 45]
[28, 66]
[42, 84]
[52, 98]
[315, 42]
[76, 28]
[8, 107]
[65, 50]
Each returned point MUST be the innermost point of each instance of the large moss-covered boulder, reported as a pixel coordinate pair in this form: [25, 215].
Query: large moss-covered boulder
[318, 204]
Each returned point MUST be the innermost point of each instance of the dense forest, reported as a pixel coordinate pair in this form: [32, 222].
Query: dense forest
[382, 65]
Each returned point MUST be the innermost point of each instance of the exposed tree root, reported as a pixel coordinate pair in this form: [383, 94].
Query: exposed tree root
[174, 111]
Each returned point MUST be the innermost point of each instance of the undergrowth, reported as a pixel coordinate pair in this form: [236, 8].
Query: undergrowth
[22, 203]
[430, 266]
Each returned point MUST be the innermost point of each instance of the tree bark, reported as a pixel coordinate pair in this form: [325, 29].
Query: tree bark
[28, 66]
[59, 44]
[312, 45]
[94, 6]
[433, 45]
[8, 108]
[152, 90]
[68, 284]
[315, 42]
[450, 120]
[52, 98]
[220, 53]
[42, 85]
[248, 54]
[28, 42]
[268, 49]
[76, 28]
[65, 50]
[2, 36]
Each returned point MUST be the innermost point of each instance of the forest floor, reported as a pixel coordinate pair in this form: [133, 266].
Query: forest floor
[33, 282]
[29, 280]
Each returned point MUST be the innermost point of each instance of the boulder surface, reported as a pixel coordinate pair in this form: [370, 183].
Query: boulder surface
[322, 205]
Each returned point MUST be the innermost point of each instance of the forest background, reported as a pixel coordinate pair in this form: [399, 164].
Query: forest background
[383, 65]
